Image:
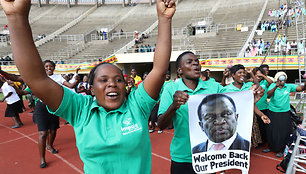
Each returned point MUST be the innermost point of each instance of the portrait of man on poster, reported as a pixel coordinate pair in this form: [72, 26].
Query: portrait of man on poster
[218, 119]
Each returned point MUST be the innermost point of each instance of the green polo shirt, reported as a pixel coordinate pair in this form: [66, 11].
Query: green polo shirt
[110, 142]
[262, 104]
[232, 88]
[180, 148]
[211, 79]
[280, 100]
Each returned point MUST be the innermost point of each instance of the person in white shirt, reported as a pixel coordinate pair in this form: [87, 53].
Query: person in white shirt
[13, 107]
[47, 123]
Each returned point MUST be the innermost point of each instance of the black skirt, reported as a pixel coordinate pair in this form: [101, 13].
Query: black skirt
[43, 119]
[262, 126]
[279, 130]
[13, 110]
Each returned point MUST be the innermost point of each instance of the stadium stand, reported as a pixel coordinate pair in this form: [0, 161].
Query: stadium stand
[269, 36]
[82, 41]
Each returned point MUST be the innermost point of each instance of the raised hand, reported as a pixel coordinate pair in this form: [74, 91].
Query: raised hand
[258, 92]
[165, 8]
[179, 98]
[226, 73]
[277, 84]
[78, 69]
[260, 74]
[11, 83]
[19, 8]
[249, 70]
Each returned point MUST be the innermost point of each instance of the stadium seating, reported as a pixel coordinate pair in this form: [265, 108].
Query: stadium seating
[222, 41]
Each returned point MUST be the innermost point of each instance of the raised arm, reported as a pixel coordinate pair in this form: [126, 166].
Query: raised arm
[18, 91]
[226, 74]
[255, 80]
[266, 78]
[9, 76]
[271, 92]
[155, 79]
[26, 56]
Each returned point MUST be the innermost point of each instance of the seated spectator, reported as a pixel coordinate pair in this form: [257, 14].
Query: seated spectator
[263, 26]
[301, 47]
[261, 44]
[259, 26]
[137, 41]
[247, 52]
[288, 48]
[254, 51]
[142, 49]
[294, 46]
[274, 28]
[267, 46]
[136, 49]
[259, 50]
[148, 48]
[276, 48]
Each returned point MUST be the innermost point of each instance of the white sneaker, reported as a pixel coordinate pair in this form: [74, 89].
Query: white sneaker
[150, 131]
[160, 131]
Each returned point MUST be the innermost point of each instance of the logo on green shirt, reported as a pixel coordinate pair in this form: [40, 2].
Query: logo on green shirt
[129, 127]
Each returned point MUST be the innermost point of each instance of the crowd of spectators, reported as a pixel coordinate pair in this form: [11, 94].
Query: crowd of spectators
[139, 39]
[281, 47]
[144, 48]
[293, 12]
[4, 60]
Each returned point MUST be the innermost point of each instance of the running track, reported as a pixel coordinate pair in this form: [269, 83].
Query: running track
[19, 151]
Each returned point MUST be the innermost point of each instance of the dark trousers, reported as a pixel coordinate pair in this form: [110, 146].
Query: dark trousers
[181, 168]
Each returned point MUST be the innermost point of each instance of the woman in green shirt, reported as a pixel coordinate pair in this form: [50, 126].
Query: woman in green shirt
[279, 113]
[111, 132]
[238, 72]
[262, 104]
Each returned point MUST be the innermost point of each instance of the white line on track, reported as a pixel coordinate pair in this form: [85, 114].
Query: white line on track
[266, 157]
[168, 132]
[18, 138]
[58, 156]
[167, 159]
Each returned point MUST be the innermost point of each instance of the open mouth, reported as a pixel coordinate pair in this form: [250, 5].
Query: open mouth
[197, 70]
[112, 95]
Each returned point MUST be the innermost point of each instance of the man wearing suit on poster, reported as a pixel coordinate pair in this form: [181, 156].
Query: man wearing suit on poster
[218, 119]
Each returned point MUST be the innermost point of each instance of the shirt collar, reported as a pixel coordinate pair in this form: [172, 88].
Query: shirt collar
[234, 87]
[183, 87]
[122, 109]
[227, 143]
